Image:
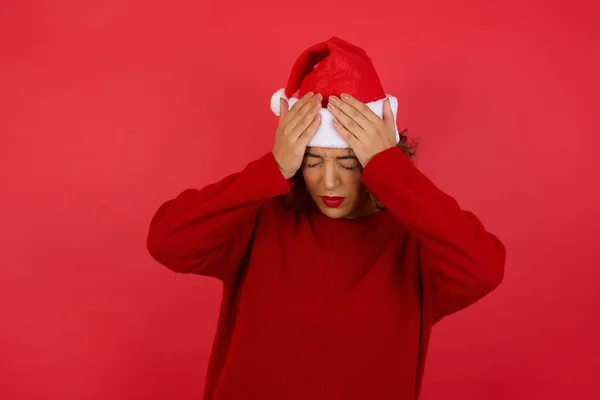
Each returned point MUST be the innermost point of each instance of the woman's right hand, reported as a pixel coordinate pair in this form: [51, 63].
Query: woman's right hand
[297, 126]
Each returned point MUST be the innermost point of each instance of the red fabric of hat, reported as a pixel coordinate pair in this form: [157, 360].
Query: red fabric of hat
[331, 68]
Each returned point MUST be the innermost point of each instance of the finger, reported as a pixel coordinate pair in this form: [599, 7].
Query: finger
[301, 103]
[306, 121]
[305, 99]
[290, 111]
[389, 120]
[345, 133]
[388, 114]
[361, 107]
[356, 111]
[302, 112]
[351, 112]
[348, 123]
[309, 132]
[283, 107]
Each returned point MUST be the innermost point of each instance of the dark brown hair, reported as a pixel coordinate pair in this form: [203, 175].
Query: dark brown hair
[298, 197]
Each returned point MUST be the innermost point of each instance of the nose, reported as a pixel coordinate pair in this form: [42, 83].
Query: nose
[331, 177]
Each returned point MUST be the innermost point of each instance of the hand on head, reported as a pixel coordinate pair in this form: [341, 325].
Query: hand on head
[297, 126]
[366, 132]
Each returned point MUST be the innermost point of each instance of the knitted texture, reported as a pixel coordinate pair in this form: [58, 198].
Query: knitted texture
[321, 308]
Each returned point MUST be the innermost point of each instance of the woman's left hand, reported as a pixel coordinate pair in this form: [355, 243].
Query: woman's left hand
[365, 131]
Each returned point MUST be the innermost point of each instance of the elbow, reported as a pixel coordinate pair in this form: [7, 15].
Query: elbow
[162, 250]
[489, 276]
[175, 255]
[161, 244]
[156, 238]
[494, 267]
[493, 279]
[155, 245]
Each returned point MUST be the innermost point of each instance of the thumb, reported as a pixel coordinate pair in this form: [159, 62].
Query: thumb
[283, 108]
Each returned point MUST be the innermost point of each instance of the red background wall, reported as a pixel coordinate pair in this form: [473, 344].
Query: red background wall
[108, 108]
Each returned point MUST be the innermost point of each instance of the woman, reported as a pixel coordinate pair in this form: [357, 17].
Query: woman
[337, 255]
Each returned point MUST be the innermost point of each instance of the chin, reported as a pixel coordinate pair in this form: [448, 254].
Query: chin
[339, 212]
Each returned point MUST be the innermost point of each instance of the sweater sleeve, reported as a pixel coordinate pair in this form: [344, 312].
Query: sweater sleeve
[465, 261]
[207, 231]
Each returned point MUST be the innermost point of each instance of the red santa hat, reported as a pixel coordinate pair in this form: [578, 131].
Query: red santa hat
[332, 68]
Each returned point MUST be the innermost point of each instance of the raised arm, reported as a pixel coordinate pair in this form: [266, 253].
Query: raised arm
[207, 231]
[466, 261]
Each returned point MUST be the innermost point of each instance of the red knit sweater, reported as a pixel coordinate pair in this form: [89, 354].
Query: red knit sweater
[321, 308]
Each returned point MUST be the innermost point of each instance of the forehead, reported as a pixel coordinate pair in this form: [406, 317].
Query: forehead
[330, 153]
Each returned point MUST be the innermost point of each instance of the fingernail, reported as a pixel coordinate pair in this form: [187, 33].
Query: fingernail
[345, 97]
[330, 106]
[333, 99]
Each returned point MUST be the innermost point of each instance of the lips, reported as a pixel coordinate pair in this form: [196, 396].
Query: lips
[332, 201]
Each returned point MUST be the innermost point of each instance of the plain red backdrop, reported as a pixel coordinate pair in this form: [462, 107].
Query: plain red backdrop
[109, 108]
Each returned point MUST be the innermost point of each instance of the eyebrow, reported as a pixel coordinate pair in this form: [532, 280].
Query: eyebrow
[346, 157]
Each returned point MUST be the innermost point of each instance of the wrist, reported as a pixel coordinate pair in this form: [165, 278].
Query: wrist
[285, 174]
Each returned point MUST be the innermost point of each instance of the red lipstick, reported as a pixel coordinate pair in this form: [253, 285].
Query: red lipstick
[332, 201]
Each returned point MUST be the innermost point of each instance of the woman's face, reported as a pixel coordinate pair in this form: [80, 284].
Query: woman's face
[332, 178]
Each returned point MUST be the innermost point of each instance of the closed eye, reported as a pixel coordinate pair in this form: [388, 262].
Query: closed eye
[349, 162]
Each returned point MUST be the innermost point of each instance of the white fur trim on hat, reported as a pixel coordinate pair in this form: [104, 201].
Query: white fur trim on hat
[275, 101]
[327, 135]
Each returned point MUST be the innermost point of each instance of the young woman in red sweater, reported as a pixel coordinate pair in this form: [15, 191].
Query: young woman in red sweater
[336, 254]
